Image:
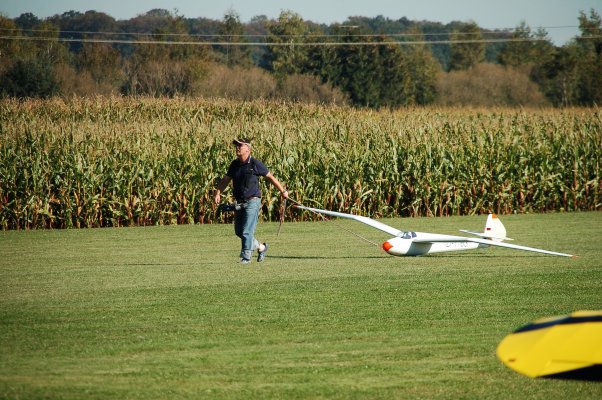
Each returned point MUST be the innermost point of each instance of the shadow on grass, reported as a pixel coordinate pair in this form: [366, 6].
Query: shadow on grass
[326, 258]
[152, 264]
[411, 257]
[592, 373]
[484, 256]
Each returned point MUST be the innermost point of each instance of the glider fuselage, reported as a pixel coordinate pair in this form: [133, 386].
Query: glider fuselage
[407, 244]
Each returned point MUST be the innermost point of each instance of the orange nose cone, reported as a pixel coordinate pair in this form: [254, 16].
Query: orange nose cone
[387, 246]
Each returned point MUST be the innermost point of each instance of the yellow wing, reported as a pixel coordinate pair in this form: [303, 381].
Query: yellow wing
[555, 345]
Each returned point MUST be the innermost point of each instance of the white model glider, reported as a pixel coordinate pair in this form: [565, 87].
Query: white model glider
[408, 243]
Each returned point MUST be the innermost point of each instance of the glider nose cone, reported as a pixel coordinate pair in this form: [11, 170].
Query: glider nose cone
[387, 246]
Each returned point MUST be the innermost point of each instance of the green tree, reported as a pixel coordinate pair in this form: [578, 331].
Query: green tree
[161, 69]
[558, 76]
[49, 48]
[466, 48]
[355, 69]
[27, 68]
[591, 31]
[233, 31]
[573, 74]
[74, 23]
[526, 47]
[29, 78]
[590, 60]
[101, 60]
[419, 73]
[381, 74]
[286, 57]
[27, 21]
[9, 48]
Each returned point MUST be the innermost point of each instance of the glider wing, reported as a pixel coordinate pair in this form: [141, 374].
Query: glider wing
[460, 239]
[365, 220]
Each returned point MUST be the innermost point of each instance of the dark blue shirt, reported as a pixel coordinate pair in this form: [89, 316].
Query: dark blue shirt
[245, 178]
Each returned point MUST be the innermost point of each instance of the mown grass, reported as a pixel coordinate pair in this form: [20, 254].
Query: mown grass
[167, 312]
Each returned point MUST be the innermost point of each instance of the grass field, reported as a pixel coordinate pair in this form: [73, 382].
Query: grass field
[167, 312]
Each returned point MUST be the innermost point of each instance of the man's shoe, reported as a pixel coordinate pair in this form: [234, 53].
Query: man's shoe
[261, 255]
[244, 261]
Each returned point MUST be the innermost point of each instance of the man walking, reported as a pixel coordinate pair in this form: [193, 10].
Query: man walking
[245, 172]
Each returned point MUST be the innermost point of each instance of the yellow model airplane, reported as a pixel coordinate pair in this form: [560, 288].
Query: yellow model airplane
[561, 347]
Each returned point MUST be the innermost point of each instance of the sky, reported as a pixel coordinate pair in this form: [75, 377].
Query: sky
[557, 17]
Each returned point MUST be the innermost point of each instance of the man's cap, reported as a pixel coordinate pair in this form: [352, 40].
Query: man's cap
[242, 141]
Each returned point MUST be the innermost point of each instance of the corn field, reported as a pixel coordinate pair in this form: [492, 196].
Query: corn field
[125, 161]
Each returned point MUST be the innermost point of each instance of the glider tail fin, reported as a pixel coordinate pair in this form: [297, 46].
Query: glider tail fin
[494, 230]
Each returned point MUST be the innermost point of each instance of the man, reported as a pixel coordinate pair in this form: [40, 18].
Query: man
[245, 172]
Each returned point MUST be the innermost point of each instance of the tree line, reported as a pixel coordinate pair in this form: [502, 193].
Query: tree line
[370, 62]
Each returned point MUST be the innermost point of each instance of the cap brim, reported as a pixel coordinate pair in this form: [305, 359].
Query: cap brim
[238, 142]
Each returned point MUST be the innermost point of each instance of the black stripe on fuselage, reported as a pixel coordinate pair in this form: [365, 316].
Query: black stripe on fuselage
[561, 321]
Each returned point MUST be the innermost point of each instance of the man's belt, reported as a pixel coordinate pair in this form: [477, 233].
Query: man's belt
[239, 201]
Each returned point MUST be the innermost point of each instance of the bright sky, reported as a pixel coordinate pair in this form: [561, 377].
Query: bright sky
[558, 17]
